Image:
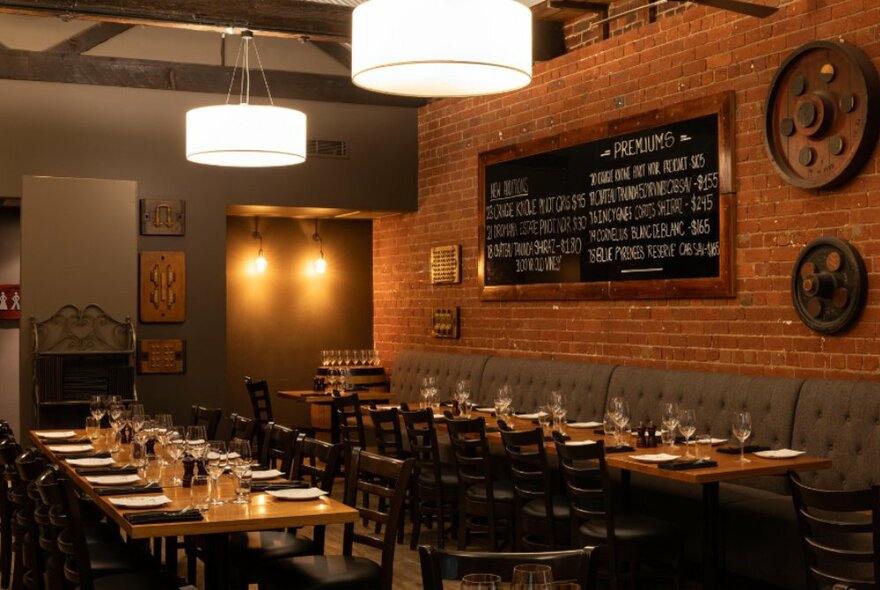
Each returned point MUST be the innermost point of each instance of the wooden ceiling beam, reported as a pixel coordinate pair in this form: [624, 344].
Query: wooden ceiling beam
[134, 73]
[337, 51]
[89, 39]
[279, 18]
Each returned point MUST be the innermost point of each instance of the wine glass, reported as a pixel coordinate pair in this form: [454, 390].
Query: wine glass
[532, 576]
[481, 582]
[240, 460]
[215, 461]
[116, 411]
[621, 417]
[687, 425]
[196, 442]
[462, 394]
[346, 357]
[742, 430]
[175, 444]
[325, 358]
[96, 407]
[162, 423]
[137, 417]
[669, 418]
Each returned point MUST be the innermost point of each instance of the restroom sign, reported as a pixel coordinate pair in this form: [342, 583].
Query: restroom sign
[10, 302]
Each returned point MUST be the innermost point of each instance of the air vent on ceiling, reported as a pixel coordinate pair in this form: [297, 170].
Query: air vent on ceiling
[327, 148]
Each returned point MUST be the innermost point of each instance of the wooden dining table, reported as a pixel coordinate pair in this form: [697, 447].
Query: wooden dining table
[709, 478]
[260, 513]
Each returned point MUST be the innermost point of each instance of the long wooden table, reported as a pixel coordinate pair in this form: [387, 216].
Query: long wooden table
[709, 478]
[262, 512]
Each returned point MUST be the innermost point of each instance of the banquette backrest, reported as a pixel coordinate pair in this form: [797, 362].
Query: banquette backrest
[411, 366]
[583, 385]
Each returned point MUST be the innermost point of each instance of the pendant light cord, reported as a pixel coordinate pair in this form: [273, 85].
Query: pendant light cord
[244, 89]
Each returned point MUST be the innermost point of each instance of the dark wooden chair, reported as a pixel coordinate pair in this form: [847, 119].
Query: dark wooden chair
[542, 516]
[67, 520]
[570, 565]
[389, 436]
[435, 484]
[207, 417]
[261, 401]
[485, 503]
[374, 475]
[633, 539]
[348, 422]
[840, 531]
[315, 462]
[30, 464]
[241, 427]
[9, 451]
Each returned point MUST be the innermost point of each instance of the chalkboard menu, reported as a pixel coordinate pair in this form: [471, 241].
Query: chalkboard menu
[634, 208]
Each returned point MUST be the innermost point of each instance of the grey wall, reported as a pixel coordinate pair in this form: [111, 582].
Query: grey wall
[10, 273]
[277, 322]
[97, 132]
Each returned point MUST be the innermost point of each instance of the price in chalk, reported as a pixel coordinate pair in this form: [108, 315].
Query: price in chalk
[707, 182]
[702, 203]
[700, 227]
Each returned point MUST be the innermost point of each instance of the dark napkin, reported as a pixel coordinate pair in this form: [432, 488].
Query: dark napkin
[66, 441]
[152, 488]
[734, 450]
[102, 455]
[110, 470]
[160, 516]
[685, 465]
[279, 485]
[623, 449]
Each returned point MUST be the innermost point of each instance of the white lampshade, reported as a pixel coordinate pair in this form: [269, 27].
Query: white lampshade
[245, 135]
[437, 48]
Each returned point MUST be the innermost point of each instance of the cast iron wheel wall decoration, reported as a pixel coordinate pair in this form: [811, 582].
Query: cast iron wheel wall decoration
[821, 118]
[829, 285]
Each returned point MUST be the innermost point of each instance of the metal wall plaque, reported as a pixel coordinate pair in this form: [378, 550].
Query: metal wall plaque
[163, 287]
[161, 356]
[163, 217]
[444, 322]
[446, 265]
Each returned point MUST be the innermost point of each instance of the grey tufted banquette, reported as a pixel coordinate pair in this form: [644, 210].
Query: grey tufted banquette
[837, 419]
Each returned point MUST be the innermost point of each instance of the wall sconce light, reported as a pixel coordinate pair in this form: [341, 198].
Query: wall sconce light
[260, 263]
[319, 266]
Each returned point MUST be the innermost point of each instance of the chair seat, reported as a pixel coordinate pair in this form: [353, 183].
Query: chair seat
[537, 508]
[267, 545]
[144, 580]
[108, 558]
[448, 477]
[632, 529]
[330, 572]
[502, 491]
[96, 532]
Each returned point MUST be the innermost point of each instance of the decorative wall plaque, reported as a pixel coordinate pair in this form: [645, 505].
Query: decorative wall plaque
[829, 285]
[163, 286]
[10, 302]
[821, 119]
[444, 322]
[163, 217]
[446, 265]
[161, 356]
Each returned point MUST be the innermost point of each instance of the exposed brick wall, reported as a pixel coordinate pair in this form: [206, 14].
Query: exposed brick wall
[684, 54]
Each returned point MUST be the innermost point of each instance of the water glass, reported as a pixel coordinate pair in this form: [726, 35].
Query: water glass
[481, 582]
[532, 576]
[216, 461]
[243, 478]
[667, 437]
[200, 493]
[93, 428]
[150, 468]
[703, 447]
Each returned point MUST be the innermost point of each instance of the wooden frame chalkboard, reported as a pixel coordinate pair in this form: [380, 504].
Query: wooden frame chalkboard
[637, 208]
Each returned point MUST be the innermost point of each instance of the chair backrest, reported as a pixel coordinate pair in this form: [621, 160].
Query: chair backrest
[437, 565]
[65, 516]
[261, 401]
[530, 475]
[207, 417]
[421, 434]
[316, 462]
[277, 448]
[840, 532]
[389, 438]
[30, 465]
[472, 455]
[48, 534]
[350, 420]
[369, 474]
[241, 427]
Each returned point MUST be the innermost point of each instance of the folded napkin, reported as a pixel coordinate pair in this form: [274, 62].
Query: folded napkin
[66, 441]
[680, 465]
[160, 516]
[287, 485]
[623, 449]
[152, 488]
[734, 449]
[101, 455]
[127, 470]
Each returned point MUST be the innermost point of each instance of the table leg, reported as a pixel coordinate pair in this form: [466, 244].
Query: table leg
[711, 537]
[217, 561]
[625, 482]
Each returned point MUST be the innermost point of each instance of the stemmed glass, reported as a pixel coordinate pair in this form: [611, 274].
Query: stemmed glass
[216, 461]
[97, 409]
[687, 425]
[117, 421]
[503, 399]
[137, 417]
[669, 418]
[163, 423]
[240, 460]
[532, 576]
[620, 416]
[196, 442]
[462, 394]
[175, 438]
[481, 582]
[742, 430]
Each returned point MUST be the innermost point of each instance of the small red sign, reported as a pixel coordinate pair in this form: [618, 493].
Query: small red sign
[10, 302]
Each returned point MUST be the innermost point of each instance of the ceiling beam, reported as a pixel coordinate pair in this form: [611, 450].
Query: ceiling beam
[337, 51]
[134, 73]
[89, 39]
[280, 18]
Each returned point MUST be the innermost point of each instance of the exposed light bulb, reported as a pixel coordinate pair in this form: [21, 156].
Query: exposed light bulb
[319, 266]
[260, 263]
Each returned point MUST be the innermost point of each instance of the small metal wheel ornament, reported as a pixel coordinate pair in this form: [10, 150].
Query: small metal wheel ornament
[822, 116]
[829, 285]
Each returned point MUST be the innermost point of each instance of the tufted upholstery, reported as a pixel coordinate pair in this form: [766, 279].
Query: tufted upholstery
[411, 366]
[840, 420]
[583, 385]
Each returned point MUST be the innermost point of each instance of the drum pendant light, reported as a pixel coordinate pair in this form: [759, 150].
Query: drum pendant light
[242, 134]
[441, 48]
